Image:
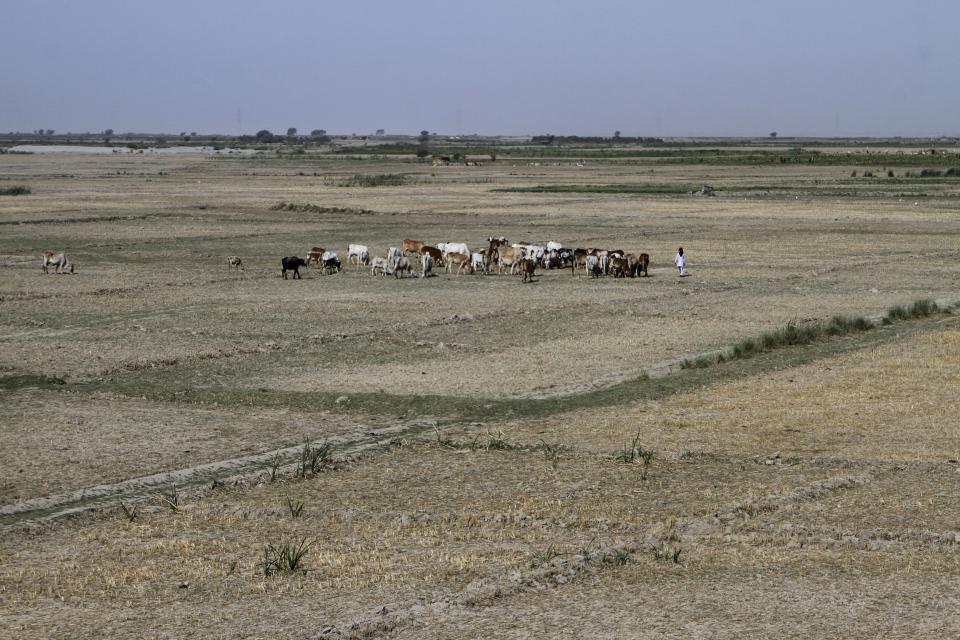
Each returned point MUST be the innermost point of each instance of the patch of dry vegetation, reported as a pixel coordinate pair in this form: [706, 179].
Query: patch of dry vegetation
[892, 402]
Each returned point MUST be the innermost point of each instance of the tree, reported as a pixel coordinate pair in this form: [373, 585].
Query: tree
[264, 135]
[318, 133]
[380, 132]
[292, 131]
[108, 132]
[49, 132]
[616, 134]
[773, 134]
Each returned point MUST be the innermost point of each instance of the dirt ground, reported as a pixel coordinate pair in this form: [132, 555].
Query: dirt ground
[810, 493]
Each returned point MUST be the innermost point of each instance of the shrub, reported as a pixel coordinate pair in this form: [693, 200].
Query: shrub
[284, 557]
[16, 190]
[375, 180]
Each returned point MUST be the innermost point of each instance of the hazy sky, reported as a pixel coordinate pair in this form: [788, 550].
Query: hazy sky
[588, 67]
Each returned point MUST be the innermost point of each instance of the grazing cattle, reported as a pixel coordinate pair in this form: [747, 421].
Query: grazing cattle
[411, 246]
[292, 263]
[234, 262]
[604, 263]
[554, 246]
[579, 259]
[434, 253]
[313, 257]
[643, 261]
[56, 260]
[592, 266]
[401, 266]
[393, 253]
[460, 259]
[452, 247]
[358, 252]
[477, 262]
[330, 262]
[426, 265]
[508, 257]
[498, 239]
[620, 267]
[527, 268]
[379, 265]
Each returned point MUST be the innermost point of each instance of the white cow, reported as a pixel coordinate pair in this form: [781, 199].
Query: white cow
[56, 260]
[476, 261]
[452, 247]
[358, 252]
[592, 266]
[426, 263]
[554, 246]
[379, 264]
[392, 254]
[400, 266]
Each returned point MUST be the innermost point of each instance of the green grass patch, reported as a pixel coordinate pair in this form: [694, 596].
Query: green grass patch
[790, 334]
[374, 180]
[306, 207]
[16, 190]
[11, 383]
[919, 309]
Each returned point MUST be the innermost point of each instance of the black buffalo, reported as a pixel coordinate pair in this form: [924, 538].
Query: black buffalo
[292, 263]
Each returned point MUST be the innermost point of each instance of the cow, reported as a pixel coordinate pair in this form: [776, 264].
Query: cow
[292, 263]
[393, 253]
[358, 252]
[554, 246]
[527, 268]
[56, 260]
[434, 253]
[329, 261]
[620, 267]
[313, 257]
[579, 259]
[453, 247]
[400, 266]
[498, 239]
[592, 266]
[604, 260]
[533, 251]
[379, 264]
[234, 262]
[477, 262]
[411, 246]
[643, 261]
[460, 259]
[508, 257]
[426, 265]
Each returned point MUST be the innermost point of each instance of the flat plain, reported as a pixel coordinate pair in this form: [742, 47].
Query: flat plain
[488, 476]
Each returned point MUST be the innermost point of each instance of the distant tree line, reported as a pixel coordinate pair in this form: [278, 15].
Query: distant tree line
[616, 139]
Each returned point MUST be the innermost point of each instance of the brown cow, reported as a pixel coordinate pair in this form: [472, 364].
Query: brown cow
[411, 246]
[508, 257]
[643, 261]
[527, 268]
[314, 256]
[461, 259]
[433, 252]
[620, 267]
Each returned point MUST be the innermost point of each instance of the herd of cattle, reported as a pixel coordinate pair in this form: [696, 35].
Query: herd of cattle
[521, 258]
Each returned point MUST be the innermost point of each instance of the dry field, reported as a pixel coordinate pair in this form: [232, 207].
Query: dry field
[476, 422]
